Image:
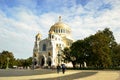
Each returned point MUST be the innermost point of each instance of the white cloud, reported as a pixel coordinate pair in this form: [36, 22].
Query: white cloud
[18, 32]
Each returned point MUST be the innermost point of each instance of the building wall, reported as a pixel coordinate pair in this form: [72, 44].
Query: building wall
[46, 51]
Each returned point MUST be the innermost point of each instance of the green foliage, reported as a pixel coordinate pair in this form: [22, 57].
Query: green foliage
[24, 62]
[12, 61]
[98, 50]
[111, 40]
[116, 56]
[78, 51]
[66, 55]
[3, 59]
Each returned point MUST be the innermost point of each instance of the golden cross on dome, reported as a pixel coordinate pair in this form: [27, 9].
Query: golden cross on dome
[59, 18]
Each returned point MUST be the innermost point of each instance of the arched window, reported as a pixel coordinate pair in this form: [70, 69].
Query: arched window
[56, 30]
[59, 30]
[49, 54]
[44, 47]
[63, 30]
[52, 36]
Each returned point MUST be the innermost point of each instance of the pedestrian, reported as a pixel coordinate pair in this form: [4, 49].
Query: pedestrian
[63, 68]
[58, 68]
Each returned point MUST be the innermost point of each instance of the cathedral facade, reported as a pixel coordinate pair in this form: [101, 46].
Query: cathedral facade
[47, 52]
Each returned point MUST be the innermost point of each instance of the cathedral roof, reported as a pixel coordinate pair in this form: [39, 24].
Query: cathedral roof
[60, 25]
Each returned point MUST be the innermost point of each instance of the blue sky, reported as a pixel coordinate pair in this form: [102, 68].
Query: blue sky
[21, 20]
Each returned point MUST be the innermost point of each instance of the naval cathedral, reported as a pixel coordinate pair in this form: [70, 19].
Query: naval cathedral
[46, 52]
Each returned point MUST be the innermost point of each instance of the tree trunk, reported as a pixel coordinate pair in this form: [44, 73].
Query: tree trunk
[73, 63]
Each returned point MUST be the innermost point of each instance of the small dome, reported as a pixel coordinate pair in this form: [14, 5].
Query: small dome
[38, 35]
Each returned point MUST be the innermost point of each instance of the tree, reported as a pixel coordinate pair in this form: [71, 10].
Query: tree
[67, 56]
[3, 59]
[29, 61]
[102, 50]
[99, 48]
[78, 52]
[113, 46]
[95, 50]
[24, 62]
[116, 56]
[111, 40]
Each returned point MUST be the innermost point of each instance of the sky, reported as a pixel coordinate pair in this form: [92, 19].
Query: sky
[21, 20]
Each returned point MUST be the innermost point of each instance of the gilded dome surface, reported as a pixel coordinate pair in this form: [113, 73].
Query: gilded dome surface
[60, 25]
[60, 28]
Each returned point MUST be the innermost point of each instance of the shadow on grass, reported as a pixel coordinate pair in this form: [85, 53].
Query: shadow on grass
[22, 72]
[71, 76]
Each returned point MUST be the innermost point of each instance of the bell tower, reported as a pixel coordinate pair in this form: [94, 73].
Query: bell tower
[36, 49]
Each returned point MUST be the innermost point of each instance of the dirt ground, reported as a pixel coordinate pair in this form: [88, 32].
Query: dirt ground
[48, 74]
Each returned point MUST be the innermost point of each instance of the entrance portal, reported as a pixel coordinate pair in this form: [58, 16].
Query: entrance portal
[49, 61]
[42, 61]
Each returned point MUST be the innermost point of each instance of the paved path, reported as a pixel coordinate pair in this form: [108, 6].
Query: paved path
[47, 74]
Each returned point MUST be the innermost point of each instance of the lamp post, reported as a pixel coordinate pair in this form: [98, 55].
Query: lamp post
[59, 55]
[58, 58]
[33, 63]
[7, 66]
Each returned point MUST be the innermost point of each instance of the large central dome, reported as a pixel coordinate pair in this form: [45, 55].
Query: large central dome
[60, 28]
[60, 25]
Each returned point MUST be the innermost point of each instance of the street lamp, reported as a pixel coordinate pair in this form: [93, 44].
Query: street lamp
[33, 63]
[7, 66]
[58, 58]
[59, 55]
